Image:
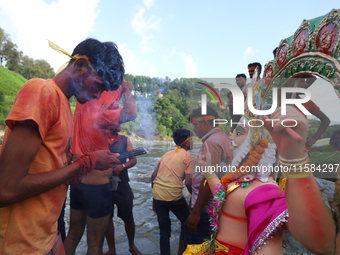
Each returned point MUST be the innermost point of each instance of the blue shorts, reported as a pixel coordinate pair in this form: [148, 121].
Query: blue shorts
[123, 198]
[95, 200]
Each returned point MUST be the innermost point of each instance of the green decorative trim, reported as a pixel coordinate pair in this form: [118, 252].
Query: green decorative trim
[317, 63]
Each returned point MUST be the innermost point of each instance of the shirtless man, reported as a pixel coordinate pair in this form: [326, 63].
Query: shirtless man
[91, 201]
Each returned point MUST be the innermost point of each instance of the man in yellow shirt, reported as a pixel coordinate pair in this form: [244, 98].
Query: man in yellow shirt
[167, 185]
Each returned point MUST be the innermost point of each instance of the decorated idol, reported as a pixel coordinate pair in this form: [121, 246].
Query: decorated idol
[250, 211]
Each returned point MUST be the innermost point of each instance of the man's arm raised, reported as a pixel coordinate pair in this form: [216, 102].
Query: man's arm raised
[325, 121]
[111, 117]
[129, 111]
[310, 220]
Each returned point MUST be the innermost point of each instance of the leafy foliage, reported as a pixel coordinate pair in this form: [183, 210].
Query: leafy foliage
[314, 125]
[23, 68]
[324, 155]
[11, 55]
[17, 62]
[170, 104]
[31, 68]
[3, 39]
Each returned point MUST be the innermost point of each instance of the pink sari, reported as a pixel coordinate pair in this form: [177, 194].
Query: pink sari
[266, 211]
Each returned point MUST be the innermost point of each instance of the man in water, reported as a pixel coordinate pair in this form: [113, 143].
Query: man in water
[122, 196]
[91, 201]
[167, 185]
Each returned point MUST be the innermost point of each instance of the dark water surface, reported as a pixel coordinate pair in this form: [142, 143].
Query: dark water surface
[147, 231]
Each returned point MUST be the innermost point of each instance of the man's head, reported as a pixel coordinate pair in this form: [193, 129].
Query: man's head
[203, 123]
[252, 67]
[98, 66]
[182, 137]
[241, 80]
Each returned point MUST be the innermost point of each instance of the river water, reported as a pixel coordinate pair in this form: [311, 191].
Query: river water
[147, 231]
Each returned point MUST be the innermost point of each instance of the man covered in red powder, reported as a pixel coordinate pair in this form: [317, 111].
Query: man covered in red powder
[95, 127]
[36, 153]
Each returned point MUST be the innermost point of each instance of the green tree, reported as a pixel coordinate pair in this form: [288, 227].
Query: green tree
[12, 56]
[27, 69]
[3, 39]
[35, 68]
[168, 114]
[46, 70]
[128, 77]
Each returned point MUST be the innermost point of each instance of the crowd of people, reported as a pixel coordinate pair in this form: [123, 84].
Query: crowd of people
[46, 149]
[59, 150]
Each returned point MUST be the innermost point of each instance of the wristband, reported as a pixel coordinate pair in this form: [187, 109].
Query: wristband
[87, 164]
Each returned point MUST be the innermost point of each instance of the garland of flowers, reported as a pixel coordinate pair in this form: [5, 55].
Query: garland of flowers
[220, 192]
[253, 159]
[214, 212]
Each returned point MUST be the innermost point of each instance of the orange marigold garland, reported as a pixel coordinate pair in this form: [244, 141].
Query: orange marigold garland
[259, 149]
[250, 163]
[264, 143]
[256, 155]
[253, 159]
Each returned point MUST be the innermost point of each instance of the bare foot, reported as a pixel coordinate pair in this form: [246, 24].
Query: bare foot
[110, 252]
[134, 250]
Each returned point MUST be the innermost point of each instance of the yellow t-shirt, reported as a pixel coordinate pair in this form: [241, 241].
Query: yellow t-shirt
[30, 226]
[168, 183]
